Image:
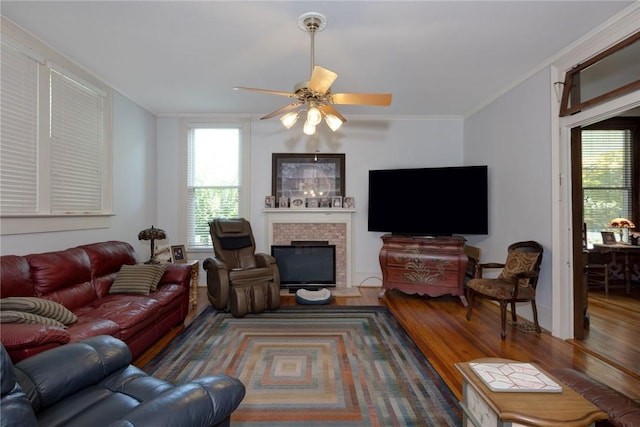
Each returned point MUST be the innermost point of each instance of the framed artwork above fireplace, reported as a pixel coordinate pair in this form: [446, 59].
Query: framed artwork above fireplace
[307, 175]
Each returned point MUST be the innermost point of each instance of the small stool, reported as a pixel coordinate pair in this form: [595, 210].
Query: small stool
[319, 297]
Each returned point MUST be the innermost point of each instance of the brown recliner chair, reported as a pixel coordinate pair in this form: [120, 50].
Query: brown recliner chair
[238, 279]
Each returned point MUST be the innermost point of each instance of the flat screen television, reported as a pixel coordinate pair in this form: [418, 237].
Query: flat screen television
[306, 264]
[438, 201]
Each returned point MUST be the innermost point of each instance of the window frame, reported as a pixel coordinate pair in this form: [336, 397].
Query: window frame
[633, 125]
[245, 172]
[571, 84]
[44, 219]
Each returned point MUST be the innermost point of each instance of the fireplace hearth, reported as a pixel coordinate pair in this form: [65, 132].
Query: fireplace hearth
[331, 225]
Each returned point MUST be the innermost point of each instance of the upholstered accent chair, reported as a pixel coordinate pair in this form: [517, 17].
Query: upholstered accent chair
[239, 279]
[516, 283]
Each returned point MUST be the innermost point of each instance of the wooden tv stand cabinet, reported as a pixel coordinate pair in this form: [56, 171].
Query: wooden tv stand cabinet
[431, 266]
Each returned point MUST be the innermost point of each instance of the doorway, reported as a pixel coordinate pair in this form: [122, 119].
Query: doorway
[604, 322]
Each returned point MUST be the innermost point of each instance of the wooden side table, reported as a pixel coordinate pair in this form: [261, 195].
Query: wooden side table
[485, 408]
[195, 274]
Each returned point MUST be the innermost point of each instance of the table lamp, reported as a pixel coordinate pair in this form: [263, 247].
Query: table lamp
[152, 234]
[621, 224]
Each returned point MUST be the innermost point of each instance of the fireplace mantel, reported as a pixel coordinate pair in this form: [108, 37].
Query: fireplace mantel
[317, 218]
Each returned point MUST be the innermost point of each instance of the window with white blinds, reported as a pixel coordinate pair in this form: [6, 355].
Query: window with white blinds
[607, 178]
[18, 127]
[53, 140]
[214, 178]
[77, 134]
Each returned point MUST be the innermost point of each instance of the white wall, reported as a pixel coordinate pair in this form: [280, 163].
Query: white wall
[513, 136]
[368, 143]
[134, 189]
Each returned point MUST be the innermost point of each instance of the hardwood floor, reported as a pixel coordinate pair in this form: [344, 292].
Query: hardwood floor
[614, 331]
[440, 329]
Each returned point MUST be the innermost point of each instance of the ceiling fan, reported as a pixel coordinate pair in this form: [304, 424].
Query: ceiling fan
[314, 96]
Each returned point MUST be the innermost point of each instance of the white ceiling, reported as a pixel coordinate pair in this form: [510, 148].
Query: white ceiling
[437, 58]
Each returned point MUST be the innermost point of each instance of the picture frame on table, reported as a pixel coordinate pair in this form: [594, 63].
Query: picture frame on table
[325, 202]
[313, 202]
[283, 202]
[336, 202]
[307, 175]
[178, 254]
[608, 238]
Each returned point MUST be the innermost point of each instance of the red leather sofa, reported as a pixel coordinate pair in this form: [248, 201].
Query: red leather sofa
[80, 278]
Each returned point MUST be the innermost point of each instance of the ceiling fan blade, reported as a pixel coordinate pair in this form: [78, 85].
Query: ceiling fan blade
[321, 79]
[376, 99]
[328, 109]
[270, 92]
[282, 110]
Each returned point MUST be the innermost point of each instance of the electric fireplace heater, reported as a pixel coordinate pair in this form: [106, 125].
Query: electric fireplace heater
[305, 266]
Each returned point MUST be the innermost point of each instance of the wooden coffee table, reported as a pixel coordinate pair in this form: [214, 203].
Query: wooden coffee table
[483, 407]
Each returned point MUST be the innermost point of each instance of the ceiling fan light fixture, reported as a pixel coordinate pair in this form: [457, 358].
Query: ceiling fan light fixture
[333, 122]
[309, 128]
[289, 119]
[313, 115]
[313, 97]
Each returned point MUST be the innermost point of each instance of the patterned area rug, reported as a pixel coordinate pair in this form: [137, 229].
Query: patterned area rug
[314, 366]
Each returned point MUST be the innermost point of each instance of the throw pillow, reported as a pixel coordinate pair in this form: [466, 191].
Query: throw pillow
[8, 316]
[39, 306]
[160, 269]
[518, 262]
[137, 279]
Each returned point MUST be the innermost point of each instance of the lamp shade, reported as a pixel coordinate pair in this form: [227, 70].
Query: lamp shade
[333, 122]
[621, 223]
[152, 234]
[289, 119]
[314, 116]
[309, 129]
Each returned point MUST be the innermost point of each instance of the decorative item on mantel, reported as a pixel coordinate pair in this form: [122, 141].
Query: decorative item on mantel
[152, 234]
[621, 224]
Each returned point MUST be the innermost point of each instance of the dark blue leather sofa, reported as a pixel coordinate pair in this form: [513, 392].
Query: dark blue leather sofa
[92, 384]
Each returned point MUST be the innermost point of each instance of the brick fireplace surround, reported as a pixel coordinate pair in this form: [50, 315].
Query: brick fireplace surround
[332, 225]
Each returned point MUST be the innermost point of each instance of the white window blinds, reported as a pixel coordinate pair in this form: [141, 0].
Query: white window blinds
[214, 179]
[18, 127]
[52, 145]
[607, 171]
[77, 134]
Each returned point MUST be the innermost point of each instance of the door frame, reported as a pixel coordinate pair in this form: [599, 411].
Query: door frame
[611, 32]
[567, 292]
